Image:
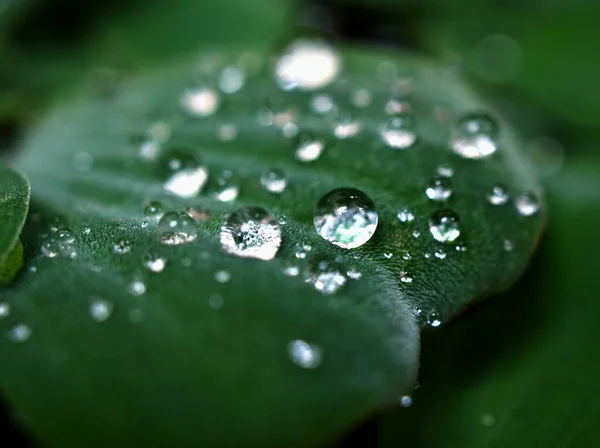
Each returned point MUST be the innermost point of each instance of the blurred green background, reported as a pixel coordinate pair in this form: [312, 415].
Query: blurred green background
[521, 369]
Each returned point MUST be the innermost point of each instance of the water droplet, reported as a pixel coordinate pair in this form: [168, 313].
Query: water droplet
[19, 333]
[231, 80]
[434, 319]
[61, 243]
[440, 253]
[527, 204]
[362, 98]
[176, 228]
[101, 310]
[488, 420]
[290, 269]
[399, 131]
[416, 234]
[154, 210]
[461, 247]
[200, 102]
[326, 275]
[406, 255]
[388, 255]
[289, 130]
[222, 276]
[475, 137]
[251, 232]
[346, 126]
[498, 195]
[307, 65]
[354, 273]
[508, 245]
[227, 132]
[215, 301]
[274, 180]
[439, 188]
[445, 171]
[303, 354]
[122, 247]
[4, 309]
[137, 287]
[444, 226]
[396, 106]
[182, 171]
[302, 250]
[226, 189]
[405, 215]
[406, 401]
[155, 263]
[309, 147]
[322, 104]
[282, 220]
[405, 277]
[346, 217]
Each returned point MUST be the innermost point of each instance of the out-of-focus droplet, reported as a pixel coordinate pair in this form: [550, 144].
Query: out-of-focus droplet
[274, 180]
[527, 204]
[200, 102]
[439, 188]
[326, 275]
[475, 137]
[101, 310]
[182, 172]
[231, 80]
[309, 147]
[303, 354]
[399, 131]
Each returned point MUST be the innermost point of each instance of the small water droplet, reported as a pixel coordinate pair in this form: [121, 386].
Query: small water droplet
[303, 354]
[346, 126]
[475, 137]
[445, 171]
[461, 247]
[137, 287]
[290, 269]
[488, 420]
[508, 245]
[416, 234]
[231, 80]
[439, 188]
[405, 215]
[251, 232]
[434, 319]
[307, 65]
[101, 310]
[396, 106]
[200, 102]
[222, 276]
[274, 180]
[122, 247]
[309, 147]
[527, 204]
[322, 104]
[388, 255]
[346, 217]
[498, 195]
[399, 131]
[215, 301]
[406, 401]
[444, 226]
[19, 333]
[440, 253]
[155, 263]
[327, 276]
[226, 187]
[154, 210]
[4, 309]
[290, 130]
[354, 273]
[362, 98]
[182, 172]
[406, 277]
[176, 228]
[62, 243]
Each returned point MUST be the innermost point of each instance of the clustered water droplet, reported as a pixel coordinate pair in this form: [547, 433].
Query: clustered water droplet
[251, 232]
[346, 217]
[61, 244]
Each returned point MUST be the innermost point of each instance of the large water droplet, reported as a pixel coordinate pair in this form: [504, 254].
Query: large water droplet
[303, 354]
[475, 137]
[251, 232]
[327, 276]
[274, 180]
[444, 226]
[309, 147]
[439, 188]
[200, 102]
[176, 228]
[527, 204]
[307, 65]
[498, 195]
[346, 217]
[399, 132]
[182, 171]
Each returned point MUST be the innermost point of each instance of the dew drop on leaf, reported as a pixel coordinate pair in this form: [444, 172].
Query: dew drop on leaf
[222, 276]
[155, 263]
[200, 102]
[309, 147]
[433, 319]
[19, 333]
[231, 80]
[61, 244]
[274, 180]
[303, 354]
[444, 226]
[498, 195]
[182, 172]
[439, 188]
[176, 228]
[475, 136]
[405, 215]
[406, 401]
[322, 104]
[346, 217]
[251, 232]
[122, 247]
[101, 310]
[346, 126]
[327, 276]
[154, 210]
[527, 204]
[4, 309]
[399, 131]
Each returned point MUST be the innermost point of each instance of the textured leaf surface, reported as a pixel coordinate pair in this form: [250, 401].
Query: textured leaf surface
[14, 202]
[195, 360]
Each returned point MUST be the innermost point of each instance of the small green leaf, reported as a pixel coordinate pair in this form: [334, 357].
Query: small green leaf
[14, 203]
[198, 353]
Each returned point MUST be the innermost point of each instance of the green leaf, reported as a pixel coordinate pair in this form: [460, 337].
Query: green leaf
[523, 370]
[191, 356]
[14, 203]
